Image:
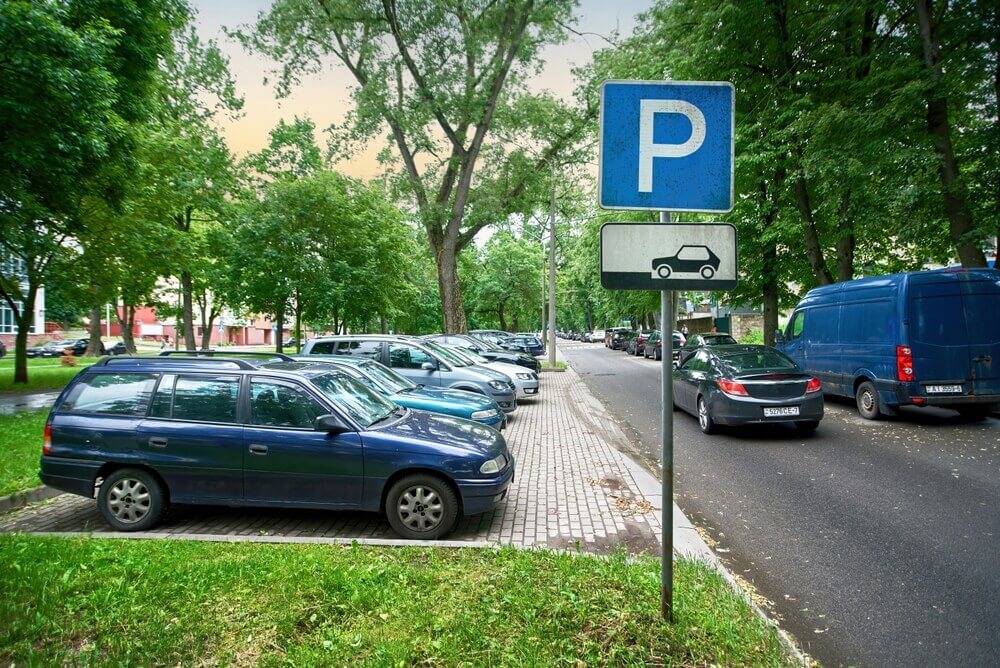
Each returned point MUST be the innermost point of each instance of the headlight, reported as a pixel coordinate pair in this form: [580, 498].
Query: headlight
[498, 385]
[482, 415]
[524, 376]
[494, 465]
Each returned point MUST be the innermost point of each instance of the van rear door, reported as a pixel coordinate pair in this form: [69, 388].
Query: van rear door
[981, 300]
[938, 337]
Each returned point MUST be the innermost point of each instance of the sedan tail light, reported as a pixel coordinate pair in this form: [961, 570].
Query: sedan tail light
[733, 388]
[904, 363]
[813, 386]
[47, 440]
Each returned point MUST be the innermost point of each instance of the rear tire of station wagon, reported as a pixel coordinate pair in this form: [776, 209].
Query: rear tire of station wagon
[132, 500]
[421, 507]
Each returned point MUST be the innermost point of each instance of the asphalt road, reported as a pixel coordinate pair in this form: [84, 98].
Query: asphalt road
[877, 543]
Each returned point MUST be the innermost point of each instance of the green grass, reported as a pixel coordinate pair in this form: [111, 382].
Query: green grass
[43, 374]
[559, 365]
[20, 448]
[81, 601]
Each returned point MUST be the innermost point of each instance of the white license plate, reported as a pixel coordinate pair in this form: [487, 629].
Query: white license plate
[781, 411]
[942, 389]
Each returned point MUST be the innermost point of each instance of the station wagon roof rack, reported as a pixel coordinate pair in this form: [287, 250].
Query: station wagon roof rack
[123, 360]
[280, 357]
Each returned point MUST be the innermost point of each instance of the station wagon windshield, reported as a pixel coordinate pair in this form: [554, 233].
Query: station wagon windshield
[365, 406]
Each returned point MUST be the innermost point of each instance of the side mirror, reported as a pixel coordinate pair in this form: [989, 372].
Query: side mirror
[331, 424]
[779, 336]
[429, 366]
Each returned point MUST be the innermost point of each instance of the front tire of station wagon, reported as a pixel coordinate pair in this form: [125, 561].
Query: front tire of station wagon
[421, 507]
[132, 500]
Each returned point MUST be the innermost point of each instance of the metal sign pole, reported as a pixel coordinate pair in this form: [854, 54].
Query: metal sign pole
[667, 448]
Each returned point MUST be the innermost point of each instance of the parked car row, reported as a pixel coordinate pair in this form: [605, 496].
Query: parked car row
[406, 426]
[56, 348]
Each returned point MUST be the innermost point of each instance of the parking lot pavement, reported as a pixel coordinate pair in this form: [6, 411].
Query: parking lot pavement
[573, 490]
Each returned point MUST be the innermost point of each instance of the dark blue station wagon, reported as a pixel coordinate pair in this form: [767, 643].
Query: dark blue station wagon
[141, 433]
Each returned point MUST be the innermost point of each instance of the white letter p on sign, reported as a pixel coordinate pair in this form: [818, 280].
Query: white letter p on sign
[649, 150]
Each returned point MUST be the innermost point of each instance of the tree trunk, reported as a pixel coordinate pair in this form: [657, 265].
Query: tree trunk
[279, 323]
[956, 197]
[126, 321]
[298, 321]
[814, 250]
[206, 331]
[23, 319]
[452, 311]
[503, 322]
[94, 345]
[845, 240]
[187, 290]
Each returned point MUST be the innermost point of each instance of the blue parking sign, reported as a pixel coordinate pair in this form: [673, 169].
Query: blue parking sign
[667, 146]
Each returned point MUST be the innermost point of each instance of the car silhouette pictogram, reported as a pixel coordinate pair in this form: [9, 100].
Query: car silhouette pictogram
[688, 260]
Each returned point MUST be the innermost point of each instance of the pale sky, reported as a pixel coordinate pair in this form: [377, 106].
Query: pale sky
[324, 97]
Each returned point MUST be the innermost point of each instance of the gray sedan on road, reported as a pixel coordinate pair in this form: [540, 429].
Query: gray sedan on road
[733, 385]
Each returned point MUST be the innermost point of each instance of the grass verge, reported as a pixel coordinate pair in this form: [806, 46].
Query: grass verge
[20, 448]
[80, 601]
[43, 375]
[559, 365]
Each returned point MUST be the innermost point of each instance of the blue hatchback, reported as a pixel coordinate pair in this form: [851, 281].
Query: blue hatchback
[403, 391]
[140, 433]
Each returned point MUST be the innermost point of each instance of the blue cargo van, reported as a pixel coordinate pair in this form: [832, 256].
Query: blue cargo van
[926, 338]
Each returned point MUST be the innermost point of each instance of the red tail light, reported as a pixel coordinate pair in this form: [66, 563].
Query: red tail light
[733, 388]
[47, 440]
[813, 385]
[904, 363]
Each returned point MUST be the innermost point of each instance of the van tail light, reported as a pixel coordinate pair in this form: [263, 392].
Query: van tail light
[47, 440]
[904, 363]
[731, 387]
[813, 386]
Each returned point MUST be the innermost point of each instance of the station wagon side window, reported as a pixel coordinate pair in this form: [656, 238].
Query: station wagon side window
[693, 253]
[796, 326]
[111, 394]
[403, 356]
[277, 404]
[206, 398]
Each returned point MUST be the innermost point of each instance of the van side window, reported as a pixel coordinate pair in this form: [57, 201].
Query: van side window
[322, 348]
[403, 356]
[206, 399]
[111, 394]
[282, 405]
[797, 324]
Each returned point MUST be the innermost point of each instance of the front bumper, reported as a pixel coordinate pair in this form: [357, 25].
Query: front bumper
[479, 496]
[507, 401]
[526, 388]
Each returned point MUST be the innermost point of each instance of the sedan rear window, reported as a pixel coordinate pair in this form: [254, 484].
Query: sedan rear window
[111, 394]
[763, 359]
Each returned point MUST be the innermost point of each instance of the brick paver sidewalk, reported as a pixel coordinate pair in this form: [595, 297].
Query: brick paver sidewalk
[573, 489]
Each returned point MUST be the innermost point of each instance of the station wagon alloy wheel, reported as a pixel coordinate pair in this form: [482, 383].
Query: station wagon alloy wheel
[129, 500]
[420, 508]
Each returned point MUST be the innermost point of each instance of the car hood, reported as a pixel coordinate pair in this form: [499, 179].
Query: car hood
[419, 430]
[507, 369]
[455, 402]
[491, 374]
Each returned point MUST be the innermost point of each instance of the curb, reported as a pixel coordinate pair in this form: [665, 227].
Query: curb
[21, 499]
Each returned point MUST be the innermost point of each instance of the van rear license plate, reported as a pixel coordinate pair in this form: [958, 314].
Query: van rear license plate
[781, 411]
[942, 389]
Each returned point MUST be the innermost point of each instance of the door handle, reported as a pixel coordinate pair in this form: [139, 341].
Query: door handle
[256, 449]
[158, 442]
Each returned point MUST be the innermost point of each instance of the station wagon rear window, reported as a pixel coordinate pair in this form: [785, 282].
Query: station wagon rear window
[111, 394]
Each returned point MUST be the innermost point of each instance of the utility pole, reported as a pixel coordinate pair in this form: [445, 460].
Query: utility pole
[667, 446]
[552, 274]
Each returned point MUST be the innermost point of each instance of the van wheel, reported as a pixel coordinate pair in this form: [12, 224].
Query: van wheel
[132, 500]
[867, 400]
[421, 507]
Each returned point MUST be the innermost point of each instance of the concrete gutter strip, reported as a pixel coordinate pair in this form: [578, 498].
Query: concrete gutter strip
[21, 499]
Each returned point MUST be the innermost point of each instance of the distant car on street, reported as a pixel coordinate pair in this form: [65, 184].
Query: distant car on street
[688, 260]
[118, 349]
[695, 341]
